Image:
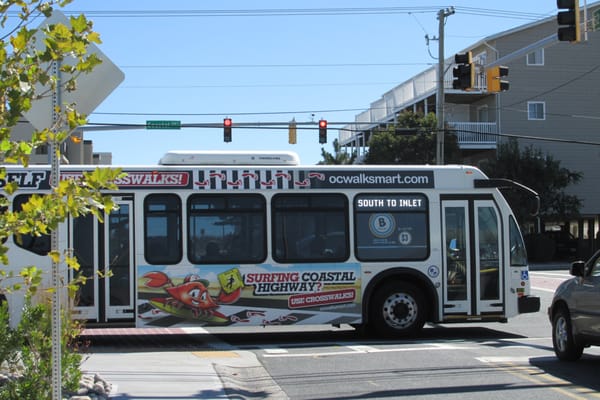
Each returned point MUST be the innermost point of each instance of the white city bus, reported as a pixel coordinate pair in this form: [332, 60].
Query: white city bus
[260, 240]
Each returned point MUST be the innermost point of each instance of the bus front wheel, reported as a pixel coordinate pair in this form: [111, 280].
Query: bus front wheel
[397, 309]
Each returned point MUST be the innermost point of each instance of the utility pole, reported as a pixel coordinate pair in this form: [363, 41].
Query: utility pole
[439, 106]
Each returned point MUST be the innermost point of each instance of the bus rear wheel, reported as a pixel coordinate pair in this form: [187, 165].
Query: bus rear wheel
[397, 309]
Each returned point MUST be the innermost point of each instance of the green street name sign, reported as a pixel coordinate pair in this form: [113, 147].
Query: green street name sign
[163, 124]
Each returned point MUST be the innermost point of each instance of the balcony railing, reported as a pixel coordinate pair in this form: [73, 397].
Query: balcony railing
[470, 135]
[475, 135]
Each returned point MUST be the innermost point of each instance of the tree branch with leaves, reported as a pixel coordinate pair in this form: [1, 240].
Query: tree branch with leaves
[410, 140]
[27, 75]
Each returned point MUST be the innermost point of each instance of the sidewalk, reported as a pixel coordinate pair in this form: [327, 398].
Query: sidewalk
[156, 366]
[183, 375]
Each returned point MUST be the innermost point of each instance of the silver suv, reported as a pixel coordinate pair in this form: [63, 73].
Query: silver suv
[575, 310]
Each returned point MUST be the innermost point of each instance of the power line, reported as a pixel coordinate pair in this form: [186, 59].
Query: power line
[502, 13]
[265, 12]
[332, 65]
[529, 137]
[312, 125]
[258, 85]
[568, 82]
[229, 113]
[275, 12]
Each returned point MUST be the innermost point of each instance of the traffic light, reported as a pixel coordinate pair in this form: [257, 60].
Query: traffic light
[292, 132]
[227, 130]
[494, 76]
[464, 72]
[568, 21]
[322, 131]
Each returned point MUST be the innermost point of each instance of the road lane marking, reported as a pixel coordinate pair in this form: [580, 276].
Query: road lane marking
[216, 354]
[558, 274]
[276, 351]
[355, 350]
[363, 349]
[518, 366]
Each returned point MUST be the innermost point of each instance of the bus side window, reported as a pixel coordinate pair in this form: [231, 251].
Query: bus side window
[162, 229]
[310, 228]
[518, 254]
[224, 229]
[35, 244]
[391, 227]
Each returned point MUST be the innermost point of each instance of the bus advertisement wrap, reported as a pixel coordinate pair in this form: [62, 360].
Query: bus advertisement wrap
[366, 179]
[306, 179]
[243, 179]
[40, 179]
[250, 295]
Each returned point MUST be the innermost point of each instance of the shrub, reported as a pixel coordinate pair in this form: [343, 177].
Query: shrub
[27, 354]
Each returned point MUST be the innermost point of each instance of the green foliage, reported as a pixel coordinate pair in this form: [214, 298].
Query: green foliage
[9, 342]
[28, 350]
[338, 157]
[411, 140]
[540, 172]
[27, 74]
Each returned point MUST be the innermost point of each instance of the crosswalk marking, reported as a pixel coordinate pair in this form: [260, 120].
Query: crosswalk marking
[361, 349]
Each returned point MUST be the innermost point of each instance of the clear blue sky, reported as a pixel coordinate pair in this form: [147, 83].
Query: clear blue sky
[269, 61]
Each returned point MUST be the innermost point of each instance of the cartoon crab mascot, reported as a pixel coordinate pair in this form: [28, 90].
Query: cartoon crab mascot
[191, 298]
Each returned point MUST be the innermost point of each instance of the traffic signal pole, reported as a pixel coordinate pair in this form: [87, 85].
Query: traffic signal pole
[542, 43]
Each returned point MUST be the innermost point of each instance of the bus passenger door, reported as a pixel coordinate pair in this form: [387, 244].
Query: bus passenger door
[83, 237]
[118, 261]
[471, 233]
[104, 249]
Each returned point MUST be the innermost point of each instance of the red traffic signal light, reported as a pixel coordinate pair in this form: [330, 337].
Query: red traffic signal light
[322, 131]
[227, 130]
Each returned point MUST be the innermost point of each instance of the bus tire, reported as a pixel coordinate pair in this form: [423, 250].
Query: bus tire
[397, 309]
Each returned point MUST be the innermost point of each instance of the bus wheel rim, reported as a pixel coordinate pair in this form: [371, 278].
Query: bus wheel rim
[400, 310]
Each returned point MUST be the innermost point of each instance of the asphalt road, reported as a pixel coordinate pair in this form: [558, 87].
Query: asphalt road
[461, 361]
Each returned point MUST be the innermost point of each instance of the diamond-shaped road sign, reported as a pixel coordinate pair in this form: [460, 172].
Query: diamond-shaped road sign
[92, 88]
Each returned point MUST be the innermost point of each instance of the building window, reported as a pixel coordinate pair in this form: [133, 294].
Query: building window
[536, 57]
[536, 110]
